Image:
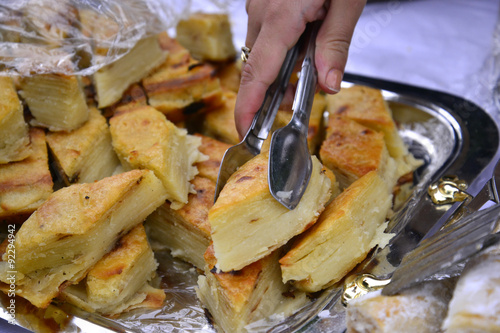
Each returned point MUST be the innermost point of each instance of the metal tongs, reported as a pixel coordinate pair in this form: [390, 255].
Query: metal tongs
[290, 162]
[461, 238]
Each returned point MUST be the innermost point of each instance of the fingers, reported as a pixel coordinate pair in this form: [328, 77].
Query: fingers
[333, 41]
[274, 27]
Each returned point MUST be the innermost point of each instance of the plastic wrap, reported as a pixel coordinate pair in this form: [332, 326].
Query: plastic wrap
[77, 36]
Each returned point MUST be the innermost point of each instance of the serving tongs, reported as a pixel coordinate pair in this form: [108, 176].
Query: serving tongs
[469, 231]
[473, 231]
[289, 159]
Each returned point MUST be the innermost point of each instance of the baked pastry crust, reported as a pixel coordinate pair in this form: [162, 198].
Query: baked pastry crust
[144, 139]
[182, 86]
[118, 281]
[56, 101]
[85, 154]
[350, 226]
[207, 36]
[239, 299]
[368, 107]
[26, 184]
[52, 246]
[112, 80]
[185, 231]
[215, 151]
[351, 150]
[14, 132]
[245, 214]
[219, 122]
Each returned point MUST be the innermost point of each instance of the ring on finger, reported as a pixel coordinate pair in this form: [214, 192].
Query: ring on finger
[245, 52]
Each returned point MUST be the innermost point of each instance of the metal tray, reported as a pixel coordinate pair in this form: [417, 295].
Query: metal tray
[451, 135]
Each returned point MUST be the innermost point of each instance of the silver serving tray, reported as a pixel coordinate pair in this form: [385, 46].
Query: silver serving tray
[451, 135]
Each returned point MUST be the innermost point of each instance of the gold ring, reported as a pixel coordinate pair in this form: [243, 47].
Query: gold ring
[245, 52]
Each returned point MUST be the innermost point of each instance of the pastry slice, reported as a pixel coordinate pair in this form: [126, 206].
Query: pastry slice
[26, 184]
[120, 280]
[182, 86]
[367, 106]
[185, 231]
[219, 122]
[133, 97]
[350, 226]
[475, 305]
[85, 154]
[74, 228]
[207, 36]
[247, 223]
[229, 74]
[112, 80]
[238, 299]
[215, 151]
[56, 101]
[14, 135]
[420, 309]
[351, 150]
[144, 139]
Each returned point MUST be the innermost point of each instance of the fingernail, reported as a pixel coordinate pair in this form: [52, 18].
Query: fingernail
[333, 80]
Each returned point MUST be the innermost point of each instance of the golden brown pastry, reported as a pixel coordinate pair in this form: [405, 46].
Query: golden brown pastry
[215, 150]
[56, 101]
[144, 139]
[247, 223]
[74, 228]
[26, 184]
[352, 150]
[112, 80]
[120, 280]
[207, 36]
[85, 154]
[350, 226]
[219, 122]
[239, 299]
[14, 134]
[368, 107]
[182, 86]
[185, 231]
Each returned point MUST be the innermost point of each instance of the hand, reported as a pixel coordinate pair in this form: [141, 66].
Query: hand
[274, 27]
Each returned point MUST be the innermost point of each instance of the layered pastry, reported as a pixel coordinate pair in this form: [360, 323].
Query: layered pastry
[215, 150]
[219, 122]
[120, 281]
[185, 231]
[238, 300]
[247, 223]
[144, 139]
[52, 245]
[207, 36]
[351, 150]
[14, 136]
[368, 107]
[85, 154]
[182, 86]
[229, 74]
[475, 305]
[112, 80]
[26, 184]
[350, 226]
[420, 309]
[56, 101]
[133, 97]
